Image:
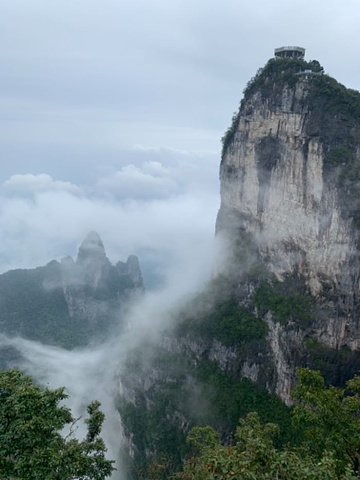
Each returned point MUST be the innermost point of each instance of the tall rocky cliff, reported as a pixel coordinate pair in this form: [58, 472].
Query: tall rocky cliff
[285, 291]
[290, 174]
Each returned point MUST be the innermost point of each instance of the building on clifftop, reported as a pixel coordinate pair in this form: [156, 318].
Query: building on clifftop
[289, 52]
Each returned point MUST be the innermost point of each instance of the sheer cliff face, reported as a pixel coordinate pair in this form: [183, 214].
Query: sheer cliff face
[284, 173]
[272, 174]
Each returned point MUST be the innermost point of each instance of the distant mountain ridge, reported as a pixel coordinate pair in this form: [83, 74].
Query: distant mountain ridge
[69, 303]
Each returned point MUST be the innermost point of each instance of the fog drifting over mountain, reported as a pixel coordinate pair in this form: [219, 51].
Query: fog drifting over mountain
[94, 372]
[111, 116]
[161, 211]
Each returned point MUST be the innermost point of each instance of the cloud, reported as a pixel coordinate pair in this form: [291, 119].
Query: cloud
[161, 205]
[83, 77]
[83, 86]
[167, 221]
[151, 181]
[32, 184]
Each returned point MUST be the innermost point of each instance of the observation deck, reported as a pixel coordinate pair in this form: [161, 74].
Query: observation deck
[289, 52]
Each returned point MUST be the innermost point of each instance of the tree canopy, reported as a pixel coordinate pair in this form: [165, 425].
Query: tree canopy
[33, 444]
[330, 417]
[328, 421]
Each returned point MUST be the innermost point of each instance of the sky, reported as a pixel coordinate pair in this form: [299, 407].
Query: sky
[112, 112]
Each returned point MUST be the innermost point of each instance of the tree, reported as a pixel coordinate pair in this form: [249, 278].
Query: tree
[330, 417]
[32, 440]
[253, 457]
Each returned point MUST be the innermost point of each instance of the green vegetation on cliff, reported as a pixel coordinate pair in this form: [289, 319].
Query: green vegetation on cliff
[33, 306]
[197, 394]
[330, 450]
[286, 300]
[41, 304]
[183, 385]
[337, 365]
[334, 113]
[228, 322]
[276, 74]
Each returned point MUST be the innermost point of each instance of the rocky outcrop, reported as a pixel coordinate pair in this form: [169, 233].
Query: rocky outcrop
[272, 174]
[131, 269]
[72, 302]
[94, 289]
[289, 175]
[93, 265]
[196, 350]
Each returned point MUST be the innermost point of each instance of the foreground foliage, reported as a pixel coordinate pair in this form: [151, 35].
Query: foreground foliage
[253, 456]
[209, 397]
[329, 418]
[31, 446]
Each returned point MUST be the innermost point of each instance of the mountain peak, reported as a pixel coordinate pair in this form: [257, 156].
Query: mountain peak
[92, 246]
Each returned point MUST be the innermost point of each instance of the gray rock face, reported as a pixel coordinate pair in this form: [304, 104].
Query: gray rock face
[72, 302]
[92, 247]
[92, 262]
[272, 174]
[213, 350]
[91, 284]
[132, 269]
[279, 176]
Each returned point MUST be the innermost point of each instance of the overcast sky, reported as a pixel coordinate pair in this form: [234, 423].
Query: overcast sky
[112, 112]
